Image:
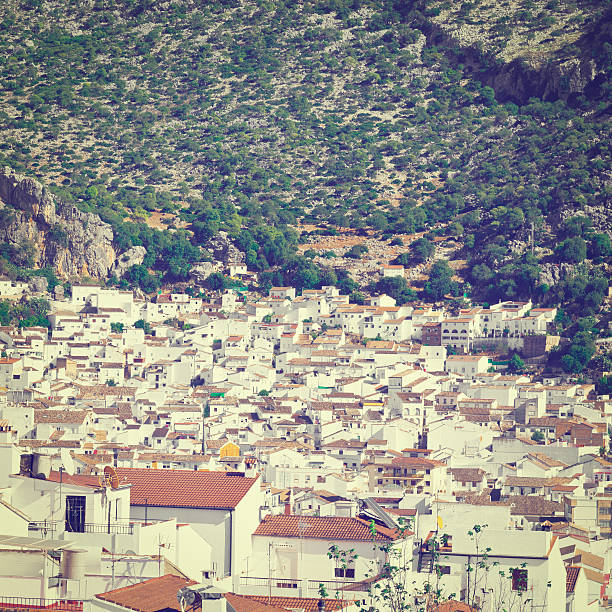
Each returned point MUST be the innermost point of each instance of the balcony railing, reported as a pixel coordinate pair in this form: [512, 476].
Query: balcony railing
[65, 605]
[112, 528]
[47, 527]
[331, 586]
[277, 582]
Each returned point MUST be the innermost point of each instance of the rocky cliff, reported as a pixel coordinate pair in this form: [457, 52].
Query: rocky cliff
[548, 67]
[73, 242]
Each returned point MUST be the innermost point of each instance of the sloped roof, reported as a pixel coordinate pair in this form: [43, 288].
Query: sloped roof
[149, 596]
[468, 474]
[323, 528]
[241, 603]
[571, 576]
[304, 604]
[185, 488]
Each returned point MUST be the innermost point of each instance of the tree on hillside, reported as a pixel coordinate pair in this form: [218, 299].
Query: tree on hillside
[397, 288]
[572, 250]
[422, 249]
[440, 282]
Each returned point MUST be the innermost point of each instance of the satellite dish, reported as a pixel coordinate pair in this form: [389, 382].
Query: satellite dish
[67, 461]
[111, 476]
[186, 597]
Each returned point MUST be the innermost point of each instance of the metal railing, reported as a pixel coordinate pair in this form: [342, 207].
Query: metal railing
[66, 605]
[277, 582]
[45, 526]
[112, 528]
[330, 585]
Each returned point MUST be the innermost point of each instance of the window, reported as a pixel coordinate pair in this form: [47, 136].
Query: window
[519, 579]
[444, 569]
[344, 572]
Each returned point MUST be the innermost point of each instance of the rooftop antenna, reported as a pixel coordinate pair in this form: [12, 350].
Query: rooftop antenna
[67, 462]
[66, 466]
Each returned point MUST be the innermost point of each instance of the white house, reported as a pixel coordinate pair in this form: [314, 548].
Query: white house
[221, 507]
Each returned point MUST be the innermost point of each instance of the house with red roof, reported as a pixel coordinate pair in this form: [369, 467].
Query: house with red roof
[221, 507]
[293, 554]
[162, 593]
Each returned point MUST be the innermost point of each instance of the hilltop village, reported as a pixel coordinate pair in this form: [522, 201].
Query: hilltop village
[297, 452]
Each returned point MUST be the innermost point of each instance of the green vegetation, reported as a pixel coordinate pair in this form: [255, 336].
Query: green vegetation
[26, 313]
[144, 325]
[440, 282]
[252, 117]
[516, 364]
[397, 288]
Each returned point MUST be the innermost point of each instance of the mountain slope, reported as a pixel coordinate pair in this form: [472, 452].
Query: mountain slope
[254, 117]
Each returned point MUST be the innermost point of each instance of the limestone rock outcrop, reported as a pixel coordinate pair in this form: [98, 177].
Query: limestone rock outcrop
[74, 243]
[132, 257]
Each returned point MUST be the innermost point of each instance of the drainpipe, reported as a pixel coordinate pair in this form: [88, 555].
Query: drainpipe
[231, 548]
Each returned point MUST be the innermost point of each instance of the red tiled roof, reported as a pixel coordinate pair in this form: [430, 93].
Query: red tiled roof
[185, 488]
[571, 577]
[300, 603]
[149, 596]
[453, 606]
[76, 479]
[241, 603]
[323, 528]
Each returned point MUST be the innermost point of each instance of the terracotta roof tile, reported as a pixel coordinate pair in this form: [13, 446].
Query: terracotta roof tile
[185, 488]
[571, 576]
[300, 603]
[241, 603]
[322, 528]
[149, 596]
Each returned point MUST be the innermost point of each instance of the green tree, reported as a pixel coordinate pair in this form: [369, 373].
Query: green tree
[572, 250]
[422, 249]
[516, 364]
[144, 325]
[397, 288]
[215, 281]
[440, 282]
[537, 436]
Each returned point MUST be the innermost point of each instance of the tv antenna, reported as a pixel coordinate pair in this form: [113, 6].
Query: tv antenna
[66, 466]
[67, 462]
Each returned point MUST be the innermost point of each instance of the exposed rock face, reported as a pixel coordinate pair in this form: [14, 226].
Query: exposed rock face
[38, 284]
[552, 273]
[132, 257]
[73, 242]
[223, 250]
[202, 270]
[519, 80]
[555, 80]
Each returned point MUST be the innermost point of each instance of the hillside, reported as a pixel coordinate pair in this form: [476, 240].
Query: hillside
[259, 117]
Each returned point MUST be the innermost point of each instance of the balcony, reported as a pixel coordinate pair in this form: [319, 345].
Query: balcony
[50, 528]
[37, 603]
[45, 528]
[110, 528]
[296, 587]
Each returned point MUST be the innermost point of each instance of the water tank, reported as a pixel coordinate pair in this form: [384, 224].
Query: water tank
[75, 563]
[41, 466]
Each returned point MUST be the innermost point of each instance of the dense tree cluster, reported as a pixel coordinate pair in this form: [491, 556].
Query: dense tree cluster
[25, 313]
